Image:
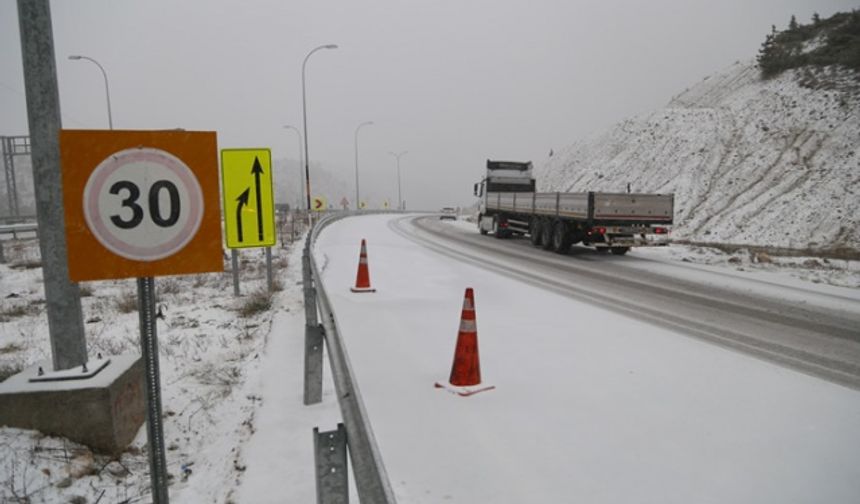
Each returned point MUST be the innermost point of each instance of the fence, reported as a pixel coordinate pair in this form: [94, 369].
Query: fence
[371, 479]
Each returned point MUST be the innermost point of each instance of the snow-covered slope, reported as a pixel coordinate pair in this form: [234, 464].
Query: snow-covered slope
[769, 163]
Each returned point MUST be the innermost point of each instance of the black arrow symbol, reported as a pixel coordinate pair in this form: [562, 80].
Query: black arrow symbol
[243, 201]
[257, 170]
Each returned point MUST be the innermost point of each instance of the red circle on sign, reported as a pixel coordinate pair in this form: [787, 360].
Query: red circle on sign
[141, 167]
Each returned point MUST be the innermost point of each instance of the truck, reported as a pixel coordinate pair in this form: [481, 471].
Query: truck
[608, 221]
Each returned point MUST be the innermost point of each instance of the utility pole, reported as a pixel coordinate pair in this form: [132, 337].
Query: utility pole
[63, 298]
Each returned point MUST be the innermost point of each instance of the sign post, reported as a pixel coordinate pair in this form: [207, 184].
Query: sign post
[249, 205]
[141, 204]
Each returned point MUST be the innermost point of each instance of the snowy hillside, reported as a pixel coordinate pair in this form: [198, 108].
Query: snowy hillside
[752, 162]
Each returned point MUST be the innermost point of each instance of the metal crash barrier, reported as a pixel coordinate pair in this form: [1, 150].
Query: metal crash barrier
[355, 432]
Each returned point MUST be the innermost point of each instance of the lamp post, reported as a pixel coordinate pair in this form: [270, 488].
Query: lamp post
[76, 57]
[366, 123]
[301, 186]
[399, 198]
[305, 121]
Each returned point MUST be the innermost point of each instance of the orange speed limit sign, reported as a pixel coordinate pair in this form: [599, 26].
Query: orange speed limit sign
[140, 203]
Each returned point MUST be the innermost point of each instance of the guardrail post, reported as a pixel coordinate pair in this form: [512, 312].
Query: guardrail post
[2, 256]
[313, 336]
[331, 469]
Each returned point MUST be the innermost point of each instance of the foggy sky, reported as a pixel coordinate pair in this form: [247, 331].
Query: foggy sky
[453, 82]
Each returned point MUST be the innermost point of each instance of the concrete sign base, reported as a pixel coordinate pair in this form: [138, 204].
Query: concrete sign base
[104, 411]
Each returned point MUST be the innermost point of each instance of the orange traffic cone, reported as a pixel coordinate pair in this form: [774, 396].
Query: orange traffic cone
[466, 370]
[362, 279]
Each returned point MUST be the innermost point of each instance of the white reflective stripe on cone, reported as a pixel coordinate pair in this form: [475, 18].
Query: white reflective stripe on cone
[468, 326]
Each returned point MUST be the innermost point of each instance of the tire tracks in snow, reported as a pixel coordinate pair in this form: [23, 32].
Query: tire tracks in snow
[814, 341]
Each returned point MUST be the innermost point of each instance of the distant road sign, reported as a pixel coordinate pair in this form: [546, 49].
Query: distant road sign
[249, 203]
[140, 203]
[319, 204]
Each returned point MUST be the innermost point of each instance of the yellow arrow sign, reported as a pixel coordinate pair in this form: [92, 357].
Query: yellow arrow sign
[319, 204]
[249, 203]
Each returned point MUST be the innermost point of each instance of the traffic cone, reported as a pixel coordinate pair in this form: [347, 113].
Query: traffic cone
[362, 279]
[465, 377]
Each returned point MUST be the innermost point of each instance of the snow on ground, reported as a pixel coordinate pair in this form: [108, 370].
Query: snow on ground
[589, 406]
[604, 409]
[769, 163]
[211, 349]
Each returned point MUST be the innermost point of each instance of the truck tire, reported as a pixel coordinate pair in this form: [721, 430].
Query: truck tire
[546, 234]
[561, 238]
[535, 232]
[481, 228]
[619, 250]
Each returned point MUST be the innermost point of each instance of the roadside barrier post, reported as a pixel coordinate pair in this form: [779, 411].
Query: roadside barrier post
[332, 473]
[313, 336]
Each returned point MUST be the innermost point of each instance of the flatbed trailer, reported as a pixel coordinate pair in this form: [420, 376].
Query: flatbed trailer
[556, 220]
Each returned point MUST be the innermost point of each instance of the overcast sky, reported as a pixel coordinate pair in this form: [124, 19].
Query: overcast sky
[453, 82]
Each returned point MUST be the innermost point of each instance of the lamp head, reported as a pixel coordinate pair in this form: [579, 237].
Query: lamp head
[330, 46]
[74, 57]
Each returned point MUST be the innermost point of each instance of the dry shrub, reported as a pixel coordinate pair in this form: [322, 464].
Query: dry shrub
[26, 264]
[126, 302]
[257, 302]
[85, 290]
[10, 348]
[168, 286]
[16, 311]
[10, 368]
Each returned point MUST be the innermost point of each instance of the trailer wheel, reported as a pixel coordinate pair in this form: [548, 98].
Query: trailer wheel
[535, 232]
[546, 234]
[561, 239]
[619, 250]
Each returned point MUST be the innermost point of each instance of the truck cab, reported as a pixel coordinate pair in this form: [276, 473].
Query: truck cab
[502, 176]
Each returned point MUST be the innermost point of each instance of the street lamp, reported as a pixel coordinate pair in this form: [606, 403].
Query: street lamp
[299, 133]
[305, 120]
[75, 57]
[366, 123]
[399, 198]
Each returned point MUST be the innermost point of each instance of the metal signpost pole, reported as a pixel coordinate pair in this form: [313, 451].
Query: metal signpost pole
[63, 299]
[152, 389]
[269, 280]
[234, 265]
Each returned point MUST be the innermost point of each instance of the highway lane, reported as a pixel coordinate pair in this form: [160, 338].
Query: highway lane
[806, 330]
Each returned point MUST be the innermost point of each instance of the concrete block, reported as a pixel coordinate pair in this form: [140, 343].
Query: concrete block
[104, 411]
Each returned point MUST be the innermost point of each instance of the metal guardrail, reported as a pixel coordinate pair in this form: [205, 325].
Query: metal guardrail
[371, 479]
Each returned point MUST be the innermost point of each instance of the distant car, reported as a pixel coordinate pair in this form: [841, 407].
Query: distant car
[448, 213]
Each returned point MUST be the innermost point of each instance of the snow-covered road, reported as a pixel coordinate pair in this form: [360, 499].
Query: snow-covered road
[816, 330]
[590, 405]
